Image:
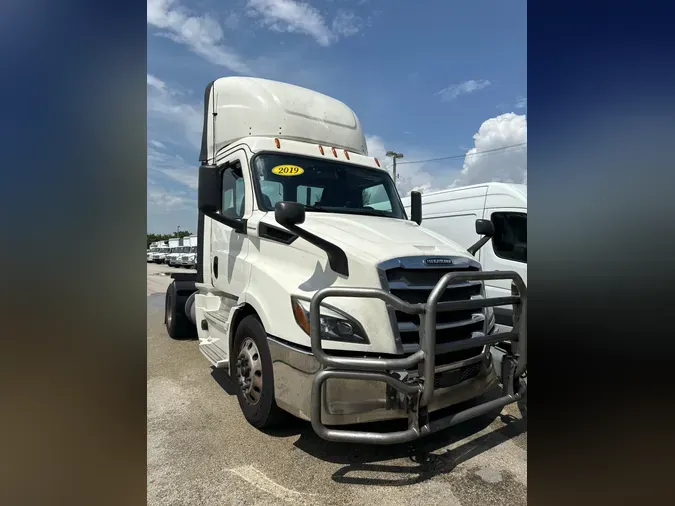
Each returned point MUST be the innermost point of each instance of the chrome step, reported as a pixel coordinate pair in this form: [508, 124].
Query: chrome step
[214, 354]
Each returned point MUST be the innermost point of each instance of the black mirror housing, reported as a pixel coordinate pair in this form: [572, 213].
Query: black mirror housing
[485, 227]
[292, 214]
[416, 207]
[289, 213]
[209, 195]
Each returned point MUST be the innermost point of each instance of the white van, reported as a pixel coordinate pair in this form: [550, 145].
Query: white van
[453, 213]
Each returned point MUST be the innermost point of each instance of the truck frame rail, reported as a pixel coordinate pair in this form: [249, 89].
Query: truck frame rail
[419, 391]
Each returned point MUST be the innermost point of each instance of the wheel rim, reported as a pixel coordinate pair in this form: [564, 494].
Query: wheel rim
[249, 371]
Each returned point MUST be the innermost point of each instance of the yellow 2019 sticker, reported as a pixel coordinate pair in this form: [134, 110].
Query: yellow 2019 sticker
[288, 170]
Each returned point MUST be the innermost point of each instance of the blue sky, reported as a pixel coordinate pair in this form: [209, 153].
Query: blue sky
[430, 79]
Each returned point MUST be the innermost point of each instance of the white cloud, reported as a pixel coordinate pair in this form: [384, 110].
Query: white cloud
[419, 176]
[346, 23]
[170, 204]
[201, 34]
[160, 200]
[156, 83]
[521, 103]
[157, 144]
[507, 165]
[172, 166]
[163, 106]
[455, 90]
[293, 16]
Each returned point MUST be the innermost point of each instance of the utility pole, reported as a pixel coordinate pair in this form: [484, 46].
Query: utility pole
[394, 155]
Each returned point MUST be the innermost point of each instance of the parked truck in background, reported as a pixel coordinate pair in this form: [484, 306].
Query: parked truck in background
[158, 251]
[172, 256]
[453, 212]
[315, 290]
[189, 257]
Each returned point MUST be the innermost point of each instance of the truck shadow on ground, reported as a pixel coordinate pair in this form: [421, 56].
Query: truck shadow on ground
[415, 462]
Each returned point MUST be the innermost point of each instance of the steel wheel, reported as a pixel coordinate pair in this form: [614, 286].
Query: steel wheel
[249, 371]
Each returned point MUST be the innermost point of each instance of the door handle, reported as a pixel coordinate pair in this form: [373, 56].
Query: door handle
[215, 267]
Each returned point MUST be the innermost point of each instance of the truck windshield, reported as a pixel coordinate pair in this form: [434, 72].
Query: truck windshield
[325, 186]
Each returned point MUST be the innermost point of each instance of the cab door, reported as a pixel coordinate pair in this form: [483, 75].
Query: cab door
[230, 270]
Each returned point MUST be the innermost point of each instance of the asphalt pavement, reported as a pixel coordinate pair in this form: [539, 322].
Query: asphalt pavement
[202, 451]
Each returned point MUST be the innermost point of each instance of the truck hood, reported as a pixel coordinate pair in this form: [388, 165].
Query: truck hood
[377, 237]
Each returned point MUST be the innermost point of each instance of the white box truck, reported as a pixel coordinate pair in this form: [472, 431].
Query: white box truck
[151, 251]
[189, 256]
[453, 213]
[172, 256]
[158, 251]
[316, 292]
[163, 252]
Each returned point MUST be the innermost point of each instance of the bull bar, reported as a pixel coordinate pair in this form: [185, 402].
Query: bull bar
[419, 391]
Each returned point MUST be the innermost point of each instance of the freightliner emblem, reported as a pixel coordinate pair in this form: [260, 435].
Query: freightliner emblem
[438, 261]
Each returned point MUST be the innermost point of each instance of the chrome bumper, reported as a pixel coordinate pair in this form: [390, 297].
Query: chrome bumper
[347, 401]
[416, 394]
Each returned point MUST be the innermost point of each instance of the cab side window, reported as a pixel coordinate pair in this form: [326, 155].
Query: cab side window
[233, 192]
[510, 239]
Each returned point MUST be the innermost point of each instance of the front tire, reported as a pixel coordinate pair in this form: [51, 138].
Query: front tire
[253, 375]
[177, 323]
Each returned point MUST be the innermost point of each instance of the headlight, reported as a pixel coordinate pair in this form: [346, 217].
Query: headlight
[335, 325]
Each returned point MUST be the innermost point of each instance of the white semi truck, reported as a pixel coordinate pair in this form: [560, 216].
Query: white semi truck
[317, 293]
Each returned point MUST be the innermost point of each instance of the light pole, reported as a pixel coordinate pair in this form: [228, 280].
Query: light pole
[177, 230]
[394, 155]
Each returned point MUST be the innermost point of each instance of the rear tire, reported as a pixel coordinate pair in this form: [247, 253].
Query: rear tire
[177, 323]
[253, 375]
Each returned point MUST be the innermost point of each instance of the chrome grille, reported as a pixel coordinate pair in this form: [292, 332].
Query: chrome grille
[410, 280]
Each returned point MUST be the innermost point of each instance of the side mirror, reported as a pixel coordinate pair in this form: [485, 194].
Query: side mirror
[292, 214]
[209, 195]
[416, 207]
[289, 213]
[485, 227]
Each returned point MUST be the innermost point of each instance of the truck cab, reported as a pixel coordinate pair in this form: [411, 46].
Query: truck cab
[150, 252]
[172, 255]
[316, 291]
[159, 251]
[189, 256]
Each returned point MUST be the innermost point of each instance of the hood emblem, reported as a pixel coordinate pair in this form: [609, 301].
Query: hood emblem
[438, 261]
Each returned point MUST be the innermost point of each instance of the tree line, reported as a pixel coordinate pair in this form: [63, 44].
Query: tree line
[165, 237]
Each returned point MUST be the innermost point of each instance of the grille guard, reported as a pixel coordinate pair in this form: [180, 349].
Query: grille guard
[419, 392]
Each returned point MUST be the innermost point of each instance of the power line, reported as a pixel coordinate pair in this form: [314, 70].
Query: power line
[465, 155]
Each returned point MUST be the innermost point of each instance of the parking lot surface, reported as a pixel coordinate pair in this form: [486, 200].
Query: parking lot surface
[201, 450]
